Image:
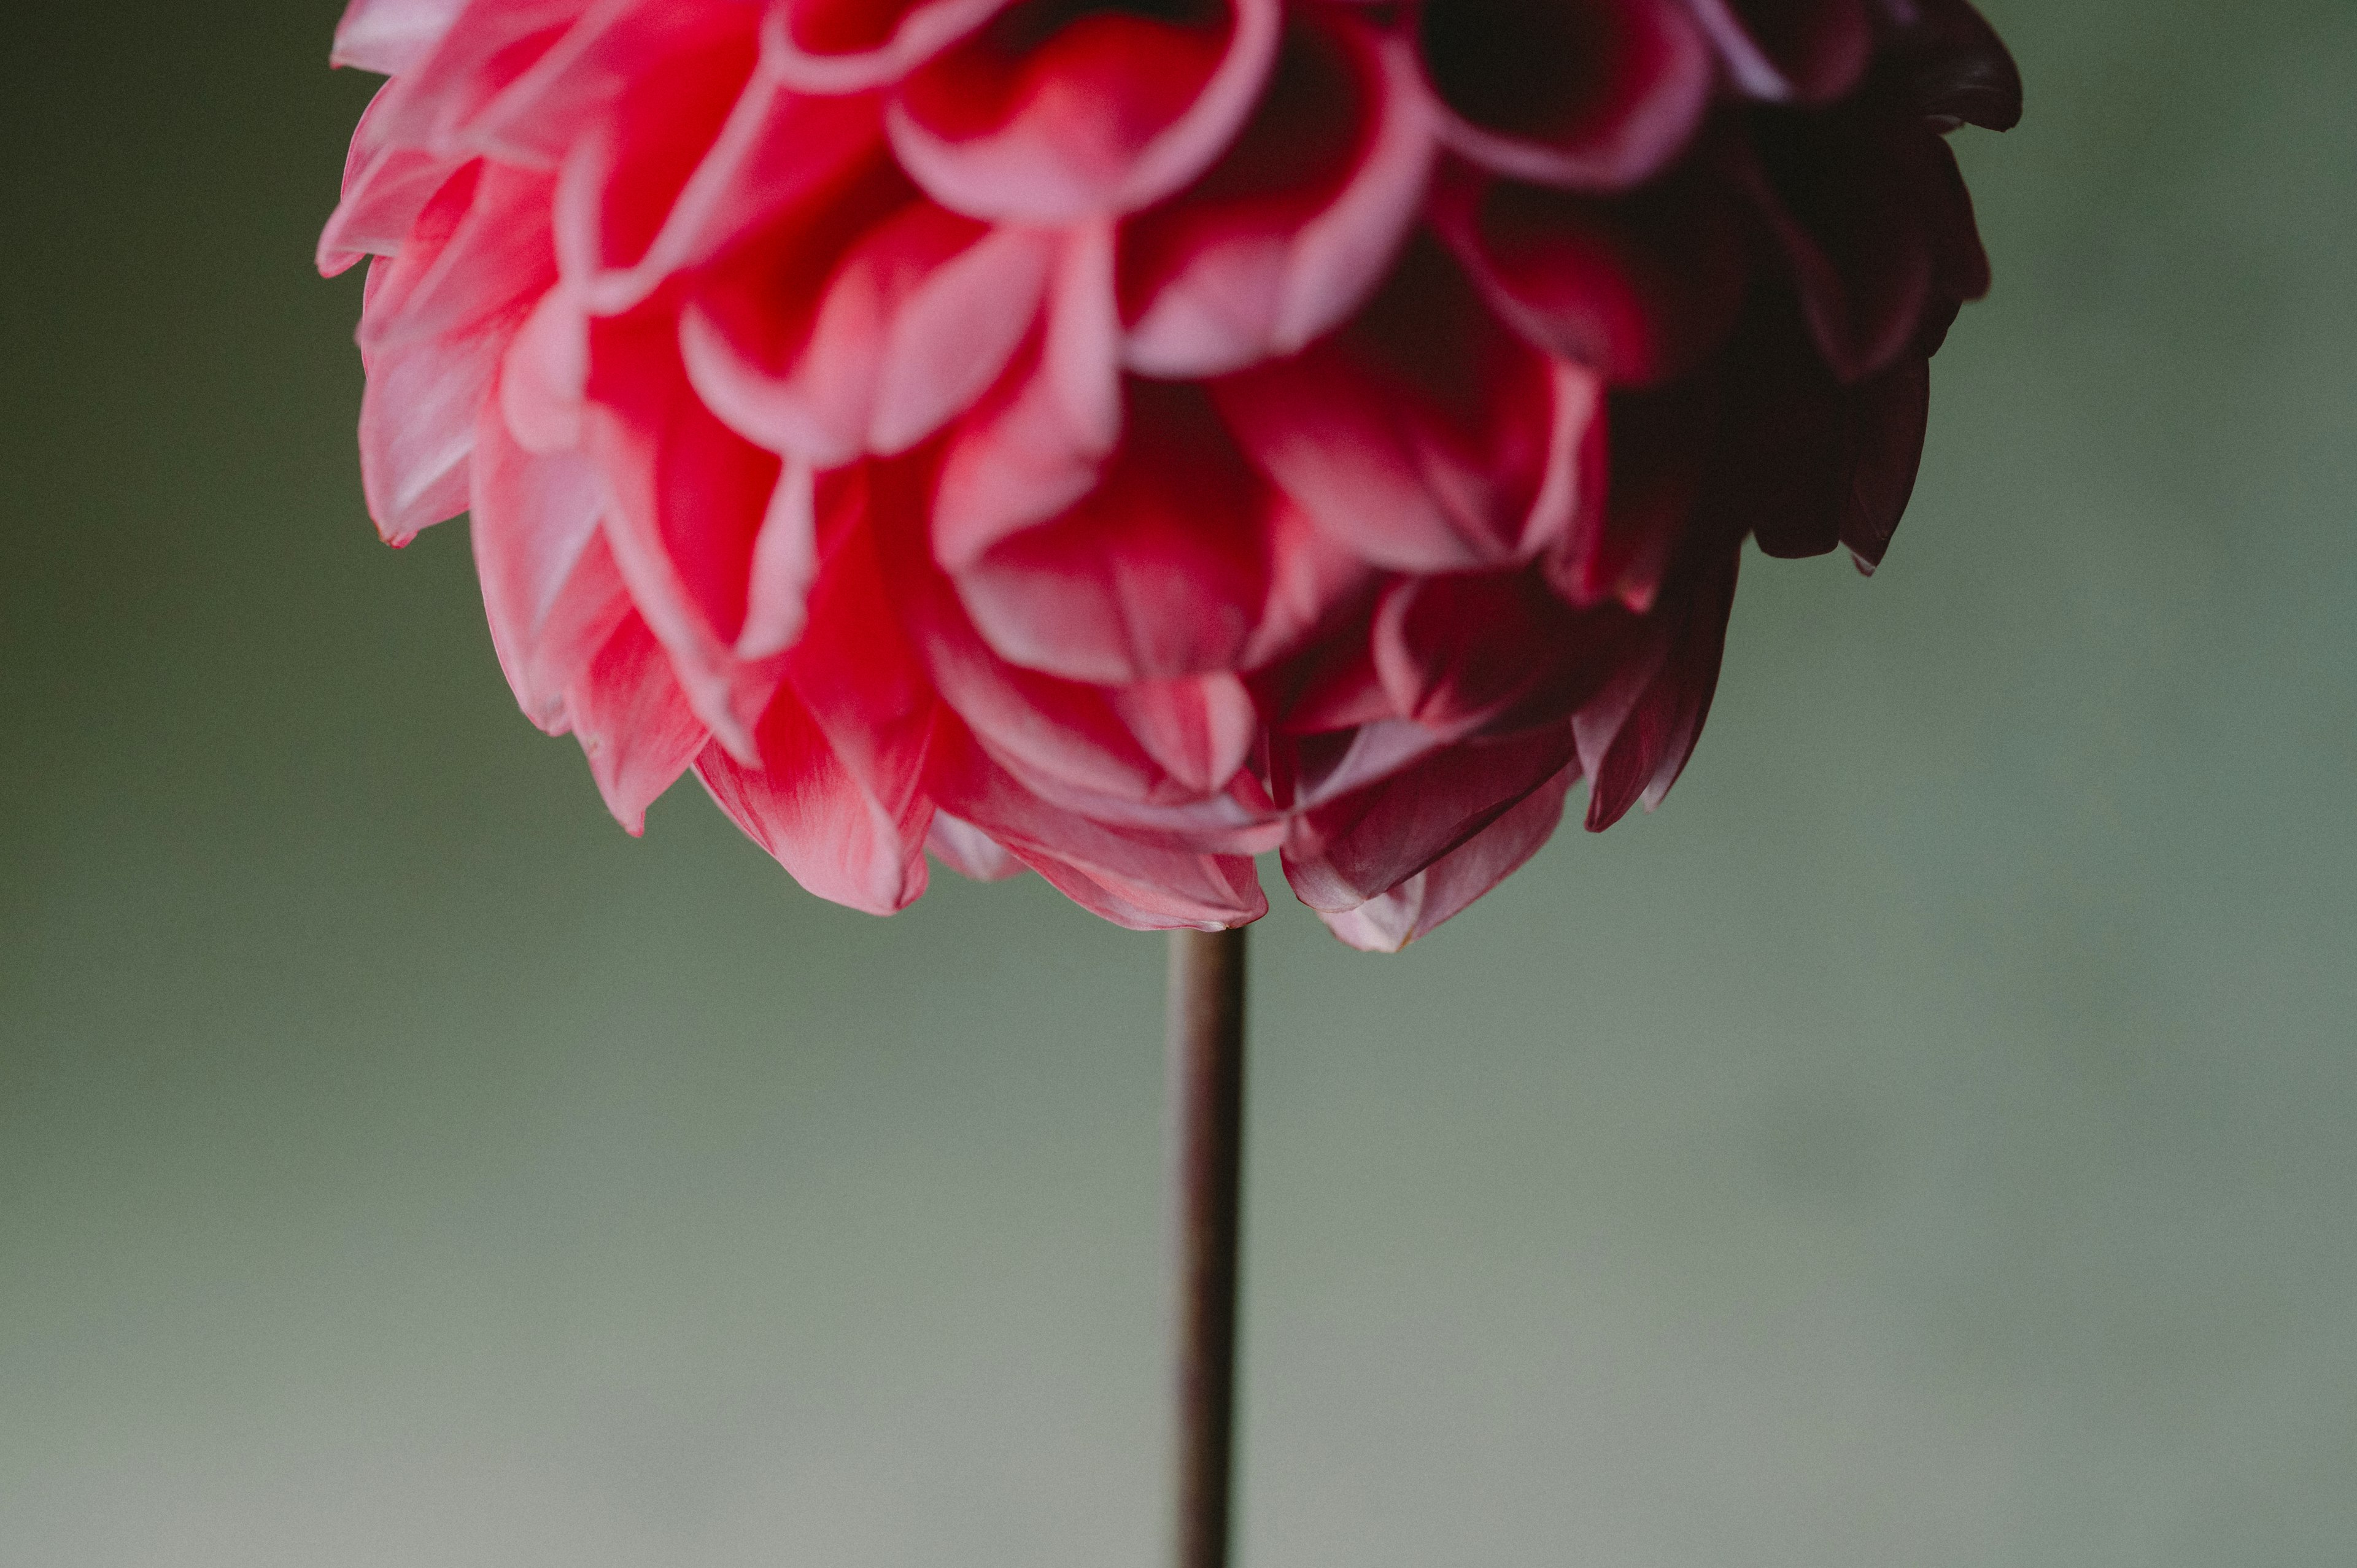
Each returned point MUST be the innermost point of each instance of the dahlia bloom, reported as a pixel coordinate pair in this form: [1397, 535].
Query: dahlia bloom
[1121, 439]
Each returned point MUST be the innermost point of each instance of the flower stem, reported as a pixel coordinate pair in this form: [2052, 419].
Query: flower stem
[1206, 1032]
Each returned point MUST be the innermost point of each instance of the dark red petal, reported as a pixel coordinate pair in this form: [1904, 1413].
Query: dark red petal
[1062, 110]
[1291, 230]
[1956, 70]
[1498, 650]
[1448, 886]
[1635, 744]
[1661, 442]
[1594, 96]
[1790, 51]
[1341, 854]
[1846, 194]
[1640, 288]
[1423, 437]
[1887, 417]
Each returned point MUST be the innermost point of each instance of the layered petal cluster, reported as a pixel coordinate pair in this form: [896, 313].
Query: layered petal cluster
[1117, 438]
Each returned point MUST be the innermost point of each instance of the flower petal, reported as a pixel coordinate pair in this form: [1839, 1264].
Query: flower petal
[1790, 51]
[1341, 854]
[1056, 113]
[1291, 230]
[1448, 886]
[1423, 437]
[1594, 96]
[633, 721]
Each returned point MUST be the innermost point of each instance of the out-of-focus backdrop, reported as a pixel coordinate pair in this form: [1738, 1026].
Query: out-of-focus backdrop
[1931, 1140]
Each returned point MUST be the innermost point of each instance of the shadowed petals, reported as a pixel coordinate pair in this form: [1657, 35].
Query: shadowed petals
[1593, 96]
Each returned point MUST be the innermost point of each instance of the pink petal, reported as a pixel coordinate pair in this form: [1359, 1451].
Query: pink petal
[1442, 890]
[848, 46]
[704, 525]
[386, 186]
[863, 330]
[550, 589]
[1423, 437]
[968, 851]
[1047, 117]
[633, 721]
[1291, 230]
[1038, 442]
[1343, 852]
[696, 155]
[1160, 571]
[818, 819]
[544, 377]
[1131, 880]
[417, 426]
[1593, 95]
[480, 248]
[390, 35]
[1790, 51]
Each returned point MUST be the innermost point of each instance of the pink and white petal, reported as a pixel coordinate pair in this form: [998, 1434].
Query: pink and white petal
[911, 325]
[418, 425]
[1598, 95]
[1423, 437]
[1130, 880]
[1045, 116]
[1198, 727]
[1291, 230]
[688, 502]
[432, 103]
[695, 156]
[386, 186]
[1339, 854]
[968, 851]
[480, 248]
[551, 590]
[633, 721]
[1039, 441]
[1160, 571]
[1450, 885]
[1790, 51]
[850, 46]
[387, 37]
[545, 375]
[817, 818]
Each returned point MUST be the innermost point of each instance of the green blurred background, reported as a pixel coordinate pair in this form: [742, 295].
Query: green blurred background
[1928, 1140]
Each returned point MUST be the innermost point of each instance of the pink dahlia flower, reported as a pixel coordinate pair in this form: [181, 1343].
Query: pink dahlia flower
[1121, 439]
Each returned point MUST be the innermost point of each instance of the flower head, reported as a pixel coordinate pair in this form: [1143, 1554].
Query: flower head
[1121, 439]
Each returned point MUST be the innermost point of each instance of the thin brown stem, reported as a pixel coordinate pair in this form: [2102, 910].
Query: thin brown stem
[1206, 1030]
